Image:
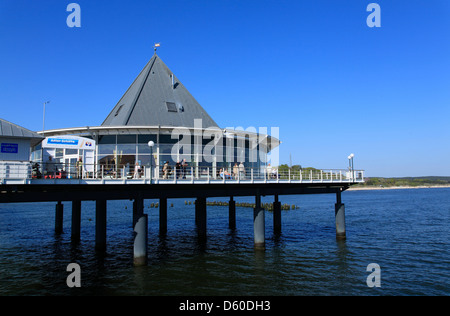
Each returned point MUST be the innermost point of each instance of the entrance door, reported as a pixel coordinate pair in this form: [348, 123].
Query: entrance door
[70, 166]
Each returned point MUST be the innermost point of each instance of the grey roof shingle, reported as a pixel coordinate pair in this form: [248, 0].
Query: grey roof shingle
[8, 129]
[157, 99]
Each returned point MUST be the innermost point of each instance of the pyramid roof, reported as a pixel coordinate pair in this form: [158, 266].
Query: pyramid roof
[157, 98]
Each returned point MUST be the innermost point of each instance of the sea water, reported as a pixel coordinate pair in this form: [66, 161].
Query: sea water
[404, 232]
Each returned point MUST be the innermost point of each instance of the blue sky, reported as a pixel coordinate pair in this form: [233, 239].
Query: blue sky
[314, 69]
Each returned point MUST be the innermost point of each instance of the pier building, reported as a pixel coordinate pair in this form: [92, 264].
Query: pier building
[158, 109]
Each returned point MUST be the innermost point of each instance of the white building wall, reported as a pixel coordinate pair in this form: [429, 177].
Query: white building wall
[14, 149]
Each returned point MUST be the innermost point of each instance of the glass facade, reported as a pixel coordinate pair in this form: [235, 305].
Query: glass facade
[221, 153]
[117, 155]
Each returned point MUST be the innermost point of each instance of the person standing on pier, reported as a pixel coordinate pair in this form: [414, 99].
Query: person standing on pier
[241, 171]
[49, 168]
[79, 166]
[178, 169]
[137, 171]
[183, 168]
[235, 171]
[166, 169]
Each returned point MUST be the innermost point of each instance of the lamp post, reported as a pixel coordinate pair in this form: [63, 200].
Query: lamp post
[350, 165]
[151, 144]
[43, 119]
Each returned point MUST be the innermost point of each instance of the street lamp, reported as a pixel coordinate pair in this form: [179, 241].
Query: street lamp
[151, 144]
[350, 165]
[43, 119]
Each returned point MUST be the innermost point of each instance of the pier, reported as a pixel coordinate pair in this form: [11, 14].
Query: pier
[157, 142]
[256, 184]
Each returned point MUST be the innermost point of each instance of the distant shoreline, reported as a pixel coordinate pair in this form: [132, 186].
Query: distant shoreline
[360, 188]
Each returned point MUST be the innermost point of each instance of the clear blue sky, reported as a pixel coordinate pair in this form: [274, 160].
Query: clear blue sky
[312, 68]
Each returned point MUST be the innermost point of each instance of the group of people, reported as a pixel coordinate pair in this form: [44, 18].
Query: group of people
[50, 169]
[271, 172]
[238, 172]
[180, 169]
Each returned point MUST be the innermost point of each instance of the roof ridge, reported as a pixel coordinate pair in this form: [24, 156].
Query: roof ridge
[133, 104]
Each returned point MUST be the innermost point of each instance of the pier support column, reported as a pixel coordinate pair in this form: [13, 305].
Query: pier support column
[76, 220]
[276, 216]
[340, 217]
[200, 216]
[232, 214]
[59, 215]
[100, 225]
[163, 216]
[140, 241]
[138, 209]
[259, 224]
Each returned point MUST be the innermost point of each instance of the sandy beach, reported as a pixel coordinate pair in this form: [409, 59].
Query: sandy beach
[358, 188]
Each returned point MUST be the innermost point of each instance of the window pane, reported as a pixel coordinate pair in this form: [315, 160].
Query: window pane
[144, 139]
[106, 149]
[126, 149]
[126, 139]
[107, 139]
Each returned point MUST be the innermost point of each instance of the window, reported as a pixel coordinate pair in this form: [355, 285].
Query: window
[118, 110]
[171, 107]
[107, 139]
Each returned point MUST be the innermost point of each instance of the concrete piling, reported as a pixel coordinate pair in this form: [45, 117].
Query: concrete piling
[76, 220]
[140, 241]
[100, 225]
[200, 216]
[163, 216]
[59, 216]
[259, 224]
[138, 209]
[276, 216]
[232, 214]
[340, 217]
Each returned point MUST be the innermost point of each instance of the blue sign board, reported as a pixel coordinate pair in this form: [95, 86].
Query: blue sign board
[9, 148]
[64, 141]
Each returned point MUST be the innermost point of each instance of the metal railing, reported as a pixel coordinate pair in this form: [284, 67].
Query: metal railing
[171, 174]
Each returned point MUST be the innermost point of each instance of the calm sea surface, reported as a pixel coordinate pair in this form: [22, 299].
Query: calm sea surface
[406, 232]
